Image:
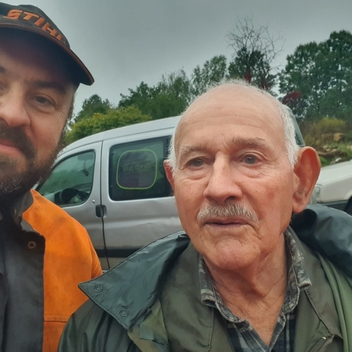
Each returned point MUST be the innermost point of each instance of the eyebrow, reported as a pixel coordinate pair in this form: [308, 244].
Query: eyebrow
[188, 149]
[42, 84]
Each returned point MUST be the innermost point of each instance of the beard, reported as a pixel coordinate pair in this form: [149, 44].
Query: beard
[14, 182]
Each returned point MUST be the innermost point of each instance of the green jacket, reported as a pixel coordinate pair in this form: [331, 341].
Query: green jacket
[151, 302]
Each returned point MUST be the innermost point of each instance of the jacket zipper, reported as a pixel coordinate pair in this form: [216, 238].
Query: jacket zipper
[319, 344]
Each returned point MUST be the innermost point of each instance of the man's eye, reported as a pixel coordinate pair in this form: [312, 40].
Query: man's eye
[196, 162]
[250, 159]
[42, 100]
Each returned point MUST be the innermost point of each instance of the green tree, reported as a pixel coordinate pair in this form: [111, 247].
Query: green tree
[253, 67]
[255, 52]
[103, 122]
[213, 71]
[168, 98]
[91, 106]
[141, 98]
[174, 93]
[321, 75]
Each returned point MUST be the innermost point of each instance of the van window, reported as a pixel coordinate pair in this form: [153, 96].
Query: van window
[70, 182]
[136, 170]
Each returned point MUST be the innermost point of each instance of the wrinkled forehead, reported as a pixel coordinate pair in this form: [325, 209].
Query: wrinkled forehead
[234, 101]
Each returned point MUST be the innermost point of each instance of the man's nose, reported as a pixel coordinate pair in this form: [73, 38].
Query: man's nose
[12, 108]
[223, 182]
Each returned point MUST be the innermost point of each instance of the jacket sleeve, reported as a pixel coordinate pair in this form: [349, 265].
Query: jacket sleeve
[328, 231]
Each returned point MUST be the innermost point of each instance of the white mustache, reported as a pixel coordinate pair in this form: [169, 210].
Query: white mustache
[227, 211]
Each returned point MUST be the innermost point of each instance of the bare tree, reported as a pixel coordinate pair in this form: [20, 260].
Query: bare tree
[255, 52]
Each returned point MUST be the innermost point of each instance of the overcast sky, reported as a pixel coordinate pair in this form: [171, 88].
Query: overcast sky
[125, 42]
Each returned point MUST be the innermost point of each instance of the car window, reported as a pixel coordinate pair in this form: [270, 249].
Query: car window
[71, 180]
[136, 170]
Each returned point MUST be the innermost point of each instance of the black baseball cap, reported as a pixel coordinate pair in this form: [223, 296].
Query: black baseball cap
[32, 19]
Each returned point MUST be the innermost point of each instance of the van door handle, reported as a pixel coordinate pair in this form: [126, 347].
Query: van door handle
[100, 211]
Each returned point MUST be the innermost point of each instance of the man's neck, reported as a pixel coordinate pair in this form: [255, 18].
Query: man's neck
[256, 293]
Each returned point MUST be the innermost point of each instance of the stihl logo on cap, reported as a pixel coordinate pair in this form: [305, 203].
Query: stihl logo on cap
[35, 19]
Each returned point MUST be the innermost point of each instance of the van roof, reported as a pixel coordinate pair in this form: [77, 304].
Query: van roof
[137, 128]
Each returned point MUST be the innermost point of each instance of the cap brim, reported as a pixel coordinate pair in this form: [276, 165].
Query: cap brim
[79, 70]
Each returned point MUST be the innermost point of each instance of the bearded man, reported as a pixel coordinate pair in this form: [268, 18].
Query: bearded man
[44, 252]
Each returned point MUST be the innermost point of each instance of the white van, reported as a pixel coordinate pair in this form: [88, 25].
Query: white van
[114, 184]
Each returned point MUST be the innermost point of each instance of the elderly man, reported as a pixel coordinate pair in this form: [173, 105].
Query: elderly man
[44, 253]
[244, 282]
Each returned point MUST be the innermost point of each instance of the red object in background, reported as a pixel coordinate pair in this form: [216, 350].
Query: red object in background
[247, 76]
[290, 98]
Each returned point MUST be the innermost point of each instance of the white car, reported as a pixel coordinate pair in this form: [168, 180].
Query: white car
[334, 186]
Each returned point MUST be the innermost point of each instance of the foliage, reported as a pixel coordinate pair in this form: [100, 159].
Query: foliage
[142, 98]
[254, 54]
[335, 153]
[103, 122]
[322, 75]
[345, 150]
[168, 98]
[323, 161]
[332, 125]
[91, 106]
[212, 72]
[329, 138]
[253, 67]
[175, 91]
[175, 84]
[317, 133]
[347, 136]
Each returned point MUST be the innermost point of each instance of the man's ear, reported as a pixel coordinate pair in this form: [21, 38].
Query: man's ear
[169, 173]
[306, 172]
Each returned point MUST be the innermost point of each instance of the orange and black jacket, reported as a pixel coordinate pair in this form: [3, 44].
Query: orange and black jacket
[69, 259]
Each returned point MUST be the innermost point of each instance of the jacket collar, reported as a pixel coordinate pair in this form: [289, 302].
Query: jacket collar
[144, 270]
[315, 226]
[319, 294]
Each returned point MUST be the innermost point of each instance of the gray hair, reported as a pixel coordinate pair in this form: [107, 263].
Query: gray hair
[292, 147]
